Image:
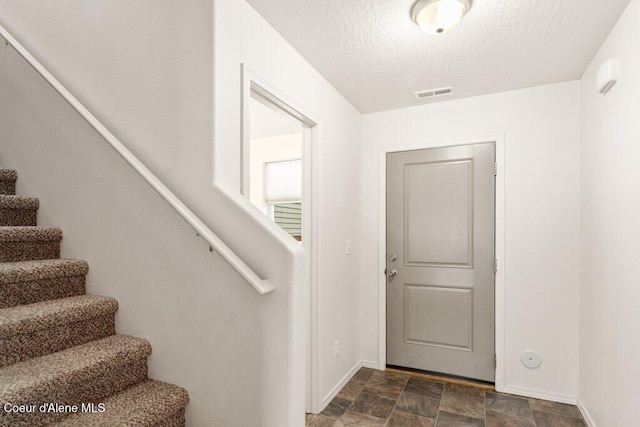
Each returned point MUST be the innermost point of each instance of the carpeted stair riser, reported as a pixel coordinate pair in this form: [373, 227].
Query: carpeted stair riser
[38, 343]
[18, 217]
[28, 292]
[27, 251]
[151, 403]
[29, 243]
[72, 376]
[7, 187]
[8, 181]
[33, 330]
[34, 281]
[18, 211]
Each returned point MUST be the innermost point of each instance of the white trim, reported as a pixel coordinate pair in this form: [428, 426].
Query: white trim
[312, 262]
[372, 365]
[500, 277]
[382, 257]
[261, 286]
[540, 394]
[499, 141]
[585, 414]
[255, 86]
[335, 390]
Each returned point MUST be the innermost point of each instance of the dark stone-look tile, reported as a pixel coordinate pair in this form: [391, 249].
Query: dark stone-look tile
[356, 419]
[495, 419]
[446, 419]
[362, 376]
[321, 421]
[425, 387]
[402, 419]
[507, 404]
[375, 406]
[384, 384]
[546, 419]
[418, 405]
[464, 390]
[555, 408]
[462, 405]
[391, 376]
[350, 391]
[336, 408]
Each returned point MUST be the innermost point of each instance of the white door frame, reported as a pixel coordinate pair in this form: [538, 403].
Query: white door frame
[499, 244]
[252, 84]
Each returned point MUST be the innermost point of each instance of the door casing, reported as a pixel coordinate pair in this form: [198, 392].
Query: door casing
[252, 82]
[499, 141]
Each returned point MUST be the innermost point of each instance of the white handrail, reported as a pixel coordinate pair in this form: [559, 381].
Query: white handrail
[262, 286]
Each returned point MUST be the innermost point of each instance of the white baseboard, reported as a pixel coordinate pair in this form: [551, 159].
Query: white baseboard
[585, 414]
[334, 391]
[370, 364]
[539, 394]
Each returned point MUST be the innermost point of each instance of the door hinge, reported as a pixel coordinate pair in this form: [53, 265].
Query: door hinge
[495, 168]
[495, 361]
[495, 265]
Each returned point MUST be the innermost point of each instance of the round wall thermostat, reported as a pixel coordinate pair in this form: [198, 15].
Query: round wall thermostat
[531, 360]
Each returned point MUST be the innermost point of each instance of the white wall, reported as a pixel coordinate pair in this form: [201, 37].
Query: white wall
[145, 69]
[243, 36]
[610, 208]
[540, 126]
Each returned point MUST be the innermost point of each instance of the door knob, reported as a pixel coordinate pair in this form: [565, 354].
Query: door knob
[393, 272]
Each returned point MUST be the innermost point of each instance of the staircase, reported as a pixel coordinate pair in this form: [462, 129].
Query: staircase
[58, 345]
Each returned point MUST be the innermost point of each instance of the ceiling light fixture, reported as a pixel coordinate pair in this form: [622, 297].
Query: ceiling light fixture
[439, 16]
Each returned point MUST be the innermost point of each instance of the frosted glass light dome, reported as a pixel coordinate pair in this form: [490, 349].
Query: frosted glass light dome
[439, 16]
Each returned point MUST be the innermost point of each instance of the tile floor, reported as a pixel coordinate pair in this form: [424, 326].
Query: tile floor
[375, 398]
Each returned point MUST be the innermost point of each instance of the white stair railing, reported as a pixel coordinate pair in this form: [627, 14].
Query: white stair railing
[261, 286]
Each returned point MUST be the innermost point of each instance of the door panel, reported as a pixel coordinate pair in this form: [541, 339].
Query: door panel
[438, 316]
[440, 243]
[439, 224]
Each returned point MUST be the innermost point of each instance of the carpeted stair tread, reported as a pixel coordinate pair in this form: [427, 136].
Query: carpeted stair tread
[32, 330]
[29, 318]
[145, 404]
[18, 202]
[30, 234]
[86, 373]
[43, 374]
[24, 271]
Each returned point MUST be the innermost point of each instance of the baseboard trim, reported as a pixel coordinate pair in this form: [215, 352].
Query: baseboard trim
[334, 391]
[539, 394]
[370, 364]
[585, 414]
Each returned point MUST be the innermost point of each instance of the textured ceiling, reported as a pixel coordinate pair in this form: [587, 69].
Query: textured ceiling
[373, 53]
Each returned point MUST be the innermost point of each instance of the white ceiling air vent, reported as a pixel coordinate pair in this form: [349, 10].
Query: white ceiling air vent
[432, 93]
